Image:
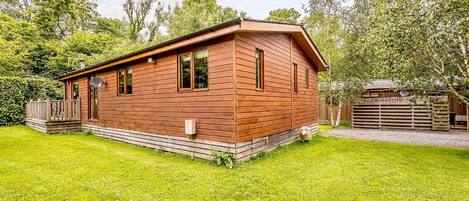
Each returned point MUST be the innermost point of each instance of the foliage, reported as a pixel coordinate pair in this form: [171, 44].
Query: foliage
[348, 74]
[113, 27]
[15, 91]
[161, 20]
[57, 19]
[285, 15]
[193, 15]
[224, 159]
[423, 44]
[80, 167]
[17, 39]
[137, 11]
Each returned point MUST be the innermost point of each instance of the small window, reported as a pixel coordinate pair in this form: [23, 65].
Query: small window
[76, 92]
[259, 69]
[295, 78]
[307, 78]
[124, 81]
[201, 69]
[185, 71]
[128, 81]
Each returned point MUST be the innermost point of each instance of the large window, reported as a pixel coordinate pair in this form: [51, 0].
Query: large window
[259, 69]
[75, 92]
[124, 82]
[193, 70]
[307, 77]
[295, 78]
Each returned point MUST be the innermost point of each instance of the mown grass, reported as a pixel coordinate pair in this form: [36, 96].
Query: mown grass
[75, 166]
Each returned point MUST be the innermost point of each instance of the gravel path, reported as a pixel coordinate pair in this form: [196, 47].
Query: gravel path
[451, 139]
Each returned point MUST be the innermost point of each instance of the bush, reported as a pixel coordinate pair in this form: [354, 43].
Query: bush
[224, 159]
[15, 91]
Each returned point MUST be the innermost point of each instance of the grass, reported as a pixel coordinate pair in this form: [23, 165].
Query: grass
[75, 166]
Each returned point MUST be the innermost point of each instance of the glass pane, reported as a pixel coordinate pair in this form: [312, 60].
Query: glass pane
[185, 71]
[201, 69]
[129, 80]
[121, 81]
[75, 90]
[259, 69]
[295, 78]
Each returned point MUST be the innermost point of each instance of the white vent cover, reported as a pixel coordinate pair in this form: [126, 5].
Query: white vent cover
[190, 127]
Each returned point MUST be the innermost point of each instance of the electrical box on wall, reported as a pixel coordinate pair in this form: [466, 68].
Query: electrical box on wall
[190, 127]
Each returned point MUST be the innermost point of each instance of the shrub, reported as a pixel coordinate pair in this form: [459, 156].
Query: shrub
[224, 159]
[15, 91]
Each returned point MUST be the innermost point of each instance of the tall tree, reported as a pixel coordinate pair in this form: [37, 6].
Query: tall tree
[137, 11]
[346, 77]
[161, 18]
[57, 18]
[423, 44]
[193, 15]
[18, 9]
[285, 15]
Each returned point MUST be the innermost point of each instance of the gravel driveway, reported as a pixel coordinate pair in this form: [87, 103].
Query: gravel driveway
[451, 139]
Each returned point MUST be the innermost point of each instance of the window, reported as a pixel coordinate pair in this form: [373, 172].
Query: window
[124, 82]
[185, 65]
[93, 101]
[295, 78]
[307, 77]
[75, 91]
[193, 70]
[259, 69]
[201, 69]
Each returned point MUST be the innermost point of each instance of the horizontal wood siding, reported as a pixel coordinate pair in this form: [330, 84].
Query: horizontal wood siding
[265, 112]
[305, 102]
[156, 105]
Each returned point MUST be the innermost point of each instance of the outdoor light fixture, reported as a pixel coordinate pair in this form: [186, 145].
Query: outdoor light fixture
[151, 60]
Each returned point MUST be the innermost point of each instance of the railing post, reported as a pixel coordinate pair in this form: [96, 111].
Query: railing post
[48, 110]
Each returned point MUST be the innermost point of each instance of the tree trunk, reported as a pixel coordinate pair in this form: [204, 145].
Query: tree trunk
[331, 113]
[339, 114]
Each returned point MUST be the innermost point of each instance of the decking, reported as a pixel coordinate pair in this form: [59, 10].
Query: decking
[53, 116]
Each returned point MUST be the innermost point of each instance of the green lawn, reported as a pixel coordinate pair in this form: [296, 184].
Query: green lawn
[34, 166]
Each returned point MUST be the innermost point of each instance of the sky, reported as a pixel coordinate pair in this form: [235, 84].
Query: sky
[257, 9]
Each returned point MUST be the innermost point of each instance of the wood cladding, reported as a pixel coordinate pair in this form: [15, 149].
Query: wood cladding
[275, 109]
[231, 110]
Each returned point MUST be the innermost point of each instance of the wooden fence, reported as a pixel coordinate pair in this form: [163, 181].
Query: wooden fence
[392, 112]
[53, 110]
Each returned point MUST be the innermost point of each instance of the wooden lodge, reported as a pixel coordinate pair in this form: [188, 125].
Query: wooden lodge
[242, 87]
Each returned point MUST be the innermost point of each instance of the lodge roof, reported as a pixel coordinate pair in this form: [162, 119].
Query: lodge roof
[225, 28]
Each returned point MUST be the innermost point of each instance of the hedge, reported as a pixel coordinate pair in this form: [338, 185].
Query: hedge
[15, 91]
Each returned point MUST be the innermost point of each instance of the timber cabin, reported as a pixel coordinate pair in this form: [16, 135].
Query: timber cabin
[243, 86]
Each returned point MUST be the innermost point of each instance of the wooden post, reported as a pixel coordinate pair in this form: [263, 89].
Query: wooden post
[48, 110]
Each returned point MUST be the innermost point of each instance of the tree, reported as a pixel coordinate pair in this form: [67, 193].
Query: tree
[285, 15]
[110, 26]
[18, 9]
[57, 19]
[17, 39]
[137, 11]
[161, 19]
[193, 15]
[423, 44]
[346, 77]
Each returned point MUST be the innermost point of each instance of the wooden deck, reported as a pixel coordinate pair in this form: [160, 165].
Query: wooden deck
[53, 116]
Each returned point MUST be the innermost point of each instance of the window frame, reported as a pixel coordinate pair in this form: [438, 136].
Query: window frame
[307, 77]
[295, 78]
[261, 84]
[90, 114]
[191, 54]
[125, 69]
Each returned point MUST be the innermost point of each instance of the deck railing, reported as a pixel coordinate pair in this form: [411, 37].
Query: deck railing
[53, 110]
